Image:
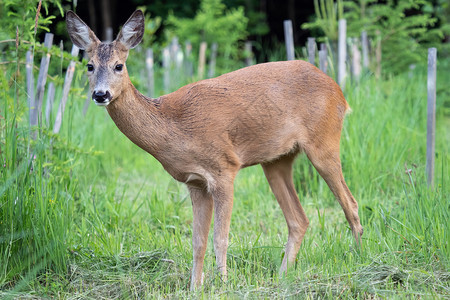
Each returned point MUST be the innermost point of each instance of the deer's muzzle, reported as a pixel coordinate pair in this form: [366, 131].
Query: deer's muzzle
[101, 98]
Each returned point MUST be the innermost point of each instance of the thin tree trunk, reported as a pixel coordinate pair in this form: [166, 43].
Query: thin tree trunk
[291, 14]
[92, 16]
[106, 8]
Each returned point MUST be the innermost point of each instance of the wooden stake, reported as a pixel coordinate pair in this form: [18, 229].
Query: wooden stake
[248, 53]
[289, 39]
[342, 52]
[312, 50]
[150, 72]
[201, 60]
[323, 62]
[356, 59]
[212, 61]
[87, 102]
[176, 55]
[66, 89]
[166, 67]
[50, 100]
[378, 55]
[189, 68]
[431, 114]
[109, 34]
[35, 114]
[30, 84]
[365, 49]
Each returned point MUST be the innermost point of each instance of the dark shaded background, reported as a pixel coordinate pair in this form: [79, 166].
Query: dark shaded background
[100, 14]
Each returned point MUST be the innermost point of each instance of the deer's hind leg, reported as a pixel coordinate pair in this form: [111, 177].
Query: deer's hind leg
[279, 175]
[328, 164]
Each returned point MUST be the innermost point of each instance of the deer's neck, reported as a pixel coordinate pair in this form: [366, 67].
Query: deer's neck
[140, 119]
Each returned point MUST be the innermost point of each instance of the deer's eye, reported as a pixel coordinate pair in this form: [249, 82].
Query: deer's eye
[90, 67]
[119, 67]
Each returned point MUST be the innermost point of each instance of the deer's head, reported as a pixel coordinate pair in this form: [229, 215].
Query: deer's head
[106, 67]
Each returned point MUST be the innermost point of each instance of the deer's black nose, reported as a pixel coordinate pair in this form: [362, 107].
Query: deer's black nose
[101, 96]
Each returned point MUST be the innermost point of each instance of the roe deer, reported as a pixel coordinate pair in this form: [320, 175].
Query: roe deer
[205, 132]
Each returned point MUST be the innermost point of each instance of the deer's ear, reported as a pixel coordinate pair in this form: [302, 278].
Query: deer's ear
[133, 30]
[80, 34]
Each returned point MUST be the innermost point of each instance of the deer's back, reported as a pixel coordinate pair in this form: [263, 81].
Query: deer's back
[259, 112]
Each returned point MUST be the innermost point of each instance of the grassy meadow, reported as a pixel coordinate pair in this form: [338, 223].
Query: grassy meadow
[86, 214]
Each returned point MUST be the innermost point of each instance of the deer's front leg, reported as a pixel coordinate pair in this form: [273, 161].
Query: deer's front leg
[223, 205]
[202, 206]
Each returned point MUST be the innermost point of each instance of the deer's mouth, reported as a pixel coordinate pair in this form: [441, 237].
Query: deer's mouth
[102, 103]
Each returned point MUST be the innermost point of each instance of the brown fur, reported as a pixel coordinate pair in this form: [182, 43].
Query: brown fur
[205, 132]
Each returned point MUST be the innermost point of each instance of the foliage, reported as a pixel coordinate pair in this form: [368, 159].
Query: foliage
[405, 28]
[257, 20]
[37, 189]
[441, 10]
[161, 8]
[328, 14]
[18, 20]
[257, 23]
[213, 23]
[22, 14]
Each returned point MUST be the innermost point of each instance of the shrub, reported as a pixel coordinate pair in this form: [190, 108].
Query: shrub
[406, 28]
[213, 23]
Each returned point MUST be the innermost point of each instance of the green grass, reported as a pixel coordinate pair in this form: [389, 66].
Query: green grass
[87, 214]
